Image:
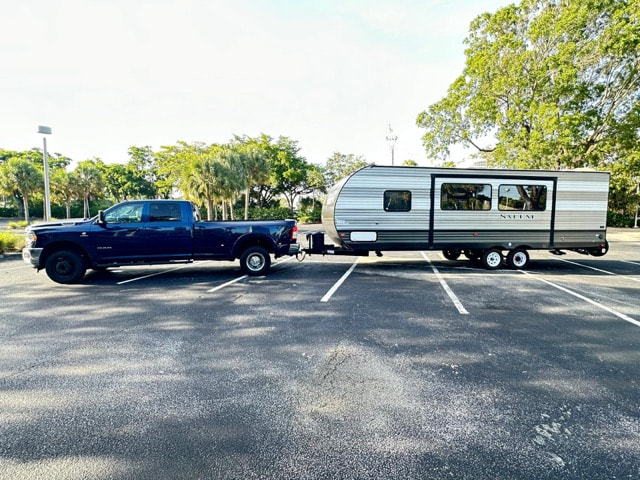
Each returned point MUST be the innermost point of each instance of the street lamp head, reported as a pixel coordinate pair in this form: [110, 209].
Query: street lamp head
[44, 130]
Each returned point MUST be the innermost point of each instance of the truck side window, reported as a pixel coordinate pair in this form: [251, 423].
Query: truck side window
[465, 196]
[165, 212]
[127, 213]
[522, 197]
[397, 201]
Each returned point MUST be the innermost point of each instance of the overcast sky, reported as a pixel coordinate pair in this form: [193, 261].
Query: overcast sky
[105, 75]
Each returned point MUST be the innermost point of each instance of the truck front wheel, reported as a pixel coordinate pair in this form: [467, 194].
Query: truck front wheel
[255, 261]
[65, 266]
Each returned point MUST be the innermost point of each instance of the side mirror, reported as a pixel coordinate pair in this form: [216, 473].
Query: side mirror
[101, 221]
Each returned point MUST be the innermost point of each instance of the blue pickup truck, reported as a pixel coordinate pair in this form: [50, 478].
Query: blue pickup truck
[154, 232]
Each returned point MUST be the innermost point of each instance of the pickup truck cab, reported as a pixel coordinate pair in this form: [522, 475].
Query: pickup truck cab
[154, 232]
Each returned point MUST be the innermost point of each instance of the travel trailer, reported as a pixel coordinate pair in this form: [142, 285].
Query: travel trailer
[488, 215]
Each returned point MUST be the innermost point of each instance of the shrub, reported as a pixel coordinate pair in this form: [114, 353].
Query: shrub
[617, 219]
[308, 214]
[11, 242]
[276, 213]
[18, 224]
[8, 212]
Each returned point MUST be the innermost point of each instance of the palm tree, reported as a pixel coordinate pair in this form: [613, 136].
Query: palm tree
[255, 166]
[64, 188]
[90, 182]
[200, 182]
[18, 174]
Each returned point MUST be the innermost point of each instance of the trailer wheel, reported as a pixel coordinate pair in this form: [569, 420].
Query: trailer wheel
[451, 253]
[255, 261]
[492, 258]
[518, 258]
[65, 266]
[473, 254]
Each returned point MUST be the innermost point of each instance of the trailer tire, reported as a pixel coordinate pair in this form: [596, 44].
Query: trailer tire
[473, 254]
[518, 258]
[65, 266]
[255, 261]
[451, 253]
[492, 259]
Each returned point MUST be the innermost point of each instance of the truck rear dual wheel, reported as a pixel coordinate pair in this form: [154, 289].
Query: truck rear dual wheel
[65, 266]
[255, 261]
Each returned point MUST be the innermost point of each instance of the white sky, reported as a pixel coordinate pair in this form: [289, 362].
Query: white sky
[331, 74]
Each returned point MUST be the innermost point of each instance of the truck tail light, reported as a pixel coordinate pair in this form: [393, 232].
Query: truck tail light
[294, 231]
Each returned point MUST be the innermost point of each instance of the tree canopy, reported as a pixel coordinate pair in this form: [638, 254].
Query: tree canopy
[546, 84]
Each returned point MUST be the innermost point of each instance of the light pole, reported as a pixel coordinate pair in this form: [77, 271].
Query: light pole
[391, 138]
[47, 199]
[637, 180]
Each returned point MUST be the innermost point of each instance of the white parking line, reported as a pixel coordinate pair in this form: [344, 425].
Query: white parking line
[599, 270]
[629, 261]
[153, 274]
[335, 287]
[618, 314]
[230, 282]
[14, 268]
[235, 280]
[456, 301]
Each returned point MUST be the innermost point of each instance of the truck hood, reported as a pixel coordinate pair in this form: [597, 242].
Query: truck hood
[60, 223]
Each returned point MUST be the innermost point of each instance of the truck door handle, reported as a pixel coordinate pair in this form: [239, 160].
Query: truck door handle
[180, 228]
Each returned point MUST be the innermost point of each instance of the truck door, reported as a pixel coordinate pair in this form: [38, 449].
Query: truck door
[167, 233]
[483, 212]
[121, 237]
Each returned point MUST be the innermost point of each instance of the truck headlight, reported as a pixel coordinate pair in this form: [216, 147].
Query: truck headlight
[30, 238]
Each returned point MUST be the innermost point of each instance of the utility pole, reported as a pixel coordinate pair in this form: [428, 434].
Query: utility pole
[391, 138]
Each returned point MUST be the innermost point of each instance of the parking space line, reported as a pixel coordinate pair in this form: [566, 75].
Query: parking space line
[14, 268]
[618, 314]
[153, 274]
[335, 287]
[230, 282]
[235, 280]
[599, 270]
[454, 298]
[629, 261]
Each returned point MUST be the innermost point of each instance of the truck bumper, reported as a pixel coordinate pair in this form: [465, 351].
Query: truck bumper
[32, 256]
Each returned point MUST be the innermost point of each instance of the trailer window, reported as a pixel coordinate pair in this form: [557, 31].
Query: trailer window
[522, 197]
[397, 201]
[465, 196]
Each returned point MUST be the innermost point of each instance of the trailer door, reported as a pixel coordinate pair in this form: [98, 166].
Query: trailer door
[484, 212]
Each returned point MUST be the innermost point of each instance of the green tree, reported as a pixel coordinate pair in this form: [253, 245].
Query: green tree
[546, 84]
[340, 165]
[64, 188]
[19, 175]
[410, 163]
[143, 173]
[290, 171]
[90, 182]
[255, 161]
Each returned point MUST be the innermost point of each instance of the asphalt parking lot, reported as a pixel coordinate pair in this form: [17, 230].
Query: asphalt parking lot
[405, 366]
